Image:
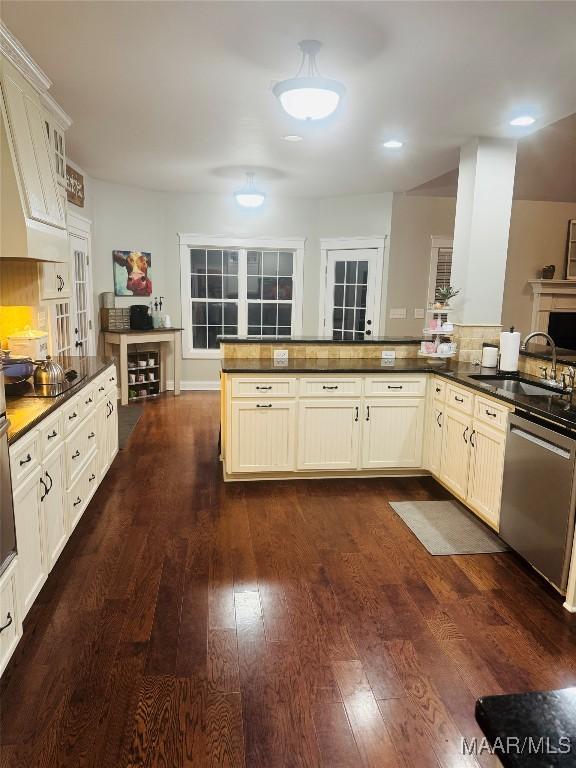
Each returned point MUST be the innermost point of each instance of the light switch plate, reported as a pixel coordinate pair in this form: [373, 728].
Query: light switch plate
[388, 354]
[42, 319]
[280, 354]
[418, 314]
[398, 314]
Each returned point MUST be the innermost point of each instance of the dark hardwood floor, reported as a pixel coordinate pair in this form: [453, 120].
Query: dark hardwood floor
[266, 625]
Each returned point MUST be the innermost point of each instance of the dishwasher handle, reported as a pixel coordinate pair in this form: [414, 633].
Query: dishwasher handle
[540, 441]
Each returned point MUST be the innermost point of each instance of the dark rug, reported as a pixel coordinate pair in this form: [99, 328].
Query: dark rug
[128, 416]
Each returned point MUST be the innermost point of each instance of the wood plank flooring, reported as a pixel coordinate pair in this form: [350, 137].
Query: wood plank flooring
[266, 625]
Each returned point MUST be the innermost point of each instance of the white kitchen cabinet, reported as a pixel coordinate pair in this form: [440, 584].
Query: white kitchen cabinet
[26, 129]
[10, 617]
[328, 434]
[53, 501]
[457, 427]
[56, 139]
[55, 281]
[436, 418]
[263, 436]
[392, 432]
[29, 519]
[487, 446]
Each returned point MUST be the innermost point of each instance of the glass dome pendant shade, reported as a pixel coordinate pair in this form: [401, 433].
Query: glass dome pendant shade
[249, 196]
[309, 96]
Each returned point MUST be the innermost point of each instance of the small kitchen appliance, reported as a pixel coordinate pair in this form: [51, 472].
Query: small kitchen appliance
[28, 343]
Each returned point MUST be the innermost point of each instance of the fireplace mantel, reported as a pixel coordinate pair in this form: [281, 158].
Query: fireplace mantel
[551, 296]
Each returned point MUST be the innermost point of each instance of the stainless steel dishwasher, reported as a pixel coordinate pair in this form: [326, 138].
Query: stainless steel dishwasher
[539, 495]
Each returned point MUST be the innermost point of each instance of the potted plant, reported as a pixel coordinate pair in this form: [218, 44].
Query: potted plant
[443, 296]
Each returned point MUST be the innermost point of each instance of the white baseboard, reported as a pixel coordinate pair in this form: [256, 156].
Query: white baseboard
[211, 386]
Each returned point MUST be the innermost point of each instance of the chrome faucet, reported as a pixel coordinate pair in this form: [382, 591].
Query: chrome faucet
[552, 343]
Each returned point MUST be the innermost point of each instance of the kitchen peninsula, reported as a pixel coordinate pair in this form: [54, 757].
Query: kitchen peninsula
[376, 408]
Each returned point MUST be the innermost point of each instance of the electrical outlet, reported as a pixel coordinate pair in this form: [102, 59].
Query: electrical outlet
[398, 314]
[280, 354]
[388, 354]
[42, 319]
[418, 314]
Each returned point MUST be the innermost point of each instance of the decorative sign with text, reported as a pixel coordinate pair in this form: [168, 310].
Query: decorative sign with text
[74, 187]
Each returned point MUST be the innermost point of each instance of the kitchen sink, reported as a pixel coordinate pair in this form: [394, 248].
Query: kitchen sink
[516, 385]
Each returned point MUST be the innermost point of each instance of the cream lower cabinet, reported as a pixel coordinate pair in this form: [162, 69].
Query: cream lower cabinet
[10, 619]
[435, 435]
[30, 534]
[455, 451]
[392, 432]
[53, 502]
[328, 433]
[486, 469]
[263, 436]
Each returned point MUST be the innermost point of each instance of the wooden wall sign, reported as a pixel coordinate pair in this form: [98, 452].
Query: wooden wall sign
[74, 187]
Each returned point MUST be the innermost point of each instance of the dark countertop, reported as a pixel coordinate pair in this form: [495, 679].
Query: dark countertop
[552, 407]
[25, 413]
[549, 716]
[543, 352]
[316, 340]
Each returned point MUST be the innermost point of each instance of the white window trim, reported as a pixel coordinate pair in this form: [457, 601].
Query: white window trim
[436, 242]
[241, 243]
[350, 243]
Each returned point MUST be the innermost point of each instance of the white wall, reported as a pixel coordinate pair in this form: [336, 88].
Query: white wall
[414, 221]
[136, 219]
[538, 232]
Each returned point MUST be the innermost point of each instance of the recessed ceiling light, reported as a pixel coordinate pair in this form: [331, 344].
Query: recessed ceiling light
[249, 196]
[393, 144]
[292, 137]
[309, 96]
[523, 121]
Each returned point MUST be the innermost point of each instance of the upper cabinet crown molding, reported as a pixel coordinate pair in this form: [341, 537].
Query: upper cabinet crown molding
[21, 59]
[63, 118]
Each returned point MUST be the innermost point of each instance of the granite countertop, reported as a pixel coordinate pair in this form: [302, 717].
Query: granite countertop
[553, 406]
[317, 340]
[25, 413]
[543, 723]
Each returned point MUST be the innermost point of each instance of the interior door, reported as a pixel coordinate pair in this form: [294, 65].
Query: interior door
[351, 311]
[82, 325]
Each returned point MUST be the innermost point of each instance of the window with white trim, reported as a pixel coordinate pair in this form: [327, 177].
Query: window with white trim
[239, 288]
[440, 266]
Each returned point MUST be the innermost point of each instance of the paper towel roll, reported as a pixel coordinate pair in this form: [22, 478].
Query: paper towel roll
[509, 350]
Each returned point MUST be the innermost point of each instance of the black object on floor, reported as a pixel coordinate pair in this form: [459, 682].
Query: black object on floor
[531, 730]
[128, 416]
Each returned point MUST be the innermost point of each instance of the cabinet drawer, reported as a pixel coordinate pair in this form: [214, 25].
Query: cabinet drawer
[490, 412]
[110, 378]
[51, 433]
[78, 447]
[395, 386]
[459, 399]
[24, 457]
[10, 627]
[100, 387]
[256, 387]
[335, 386]
[86, 400]
[71, 415]
[438, 389]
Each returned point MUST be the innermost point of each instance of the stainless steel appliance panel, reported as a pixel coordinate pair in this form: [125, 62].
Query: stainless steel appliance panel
[538, 497]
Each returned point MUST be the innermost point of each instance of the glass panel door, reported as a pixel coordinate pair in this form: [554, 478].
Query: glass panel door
[350, 313]
[82, 298]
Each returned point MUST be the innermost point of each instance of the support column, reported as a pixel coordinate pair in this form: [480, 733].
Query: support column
[481, 229]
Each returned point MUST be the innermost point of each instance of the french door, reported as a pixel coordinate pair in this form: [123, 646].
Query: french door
[352, 296]
[81, 315]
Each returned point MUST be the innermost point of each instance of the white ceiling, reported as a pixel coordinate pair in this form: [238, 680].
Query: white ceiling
[177, 95]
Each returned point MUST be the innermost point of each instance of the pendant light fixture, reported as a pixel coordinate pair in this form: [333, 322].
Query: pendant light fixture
[249, 196]
[309, 96]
